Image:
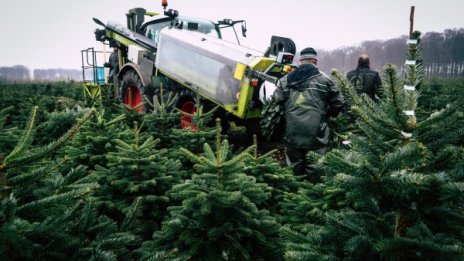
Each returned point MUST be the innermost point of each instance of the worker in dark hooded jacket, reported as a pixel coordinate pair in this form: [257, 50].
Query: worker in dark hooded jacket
[310, 97]
[365, 80]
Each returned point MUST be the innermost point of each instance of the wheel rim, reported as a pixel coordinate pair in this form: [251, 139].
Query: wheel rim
[133, 97]
[186, 120]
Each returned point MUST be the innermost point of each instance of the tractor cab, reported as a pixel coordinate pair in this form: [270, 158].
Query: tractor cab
[171, 18]
[152, 28]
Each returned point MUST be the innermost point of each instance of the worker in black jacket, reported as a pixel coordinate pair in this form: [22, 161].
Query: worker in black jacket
[365, 80]
[310, 97]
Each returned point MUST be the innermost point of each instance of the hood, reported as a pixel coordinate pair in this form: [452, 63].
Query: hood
[302, 73]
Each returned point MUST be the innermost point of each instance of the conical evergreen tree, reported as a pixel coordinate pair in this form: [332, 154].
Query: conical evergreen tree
[307, 207]
[49, 225]
[163, 119]
[21, 156]
[401, 181]
[45, 223]
[193, 137]
[268, 170]
[132, 115]
[96, 139]
[137, 169]
[219, 218]
[55, 124]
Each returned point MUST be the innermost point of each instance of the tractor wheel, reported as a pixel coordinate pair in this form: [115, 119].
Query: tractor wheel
[132, 90]
[187, 104]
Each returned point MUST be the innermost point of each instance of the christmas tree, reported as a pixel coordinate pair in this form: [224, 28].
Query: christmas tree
[267, 169]
[219, 218]
[163, 118]
[44, 214]
[137, 169]
[96, 139]
[22, 154]
[193, 136]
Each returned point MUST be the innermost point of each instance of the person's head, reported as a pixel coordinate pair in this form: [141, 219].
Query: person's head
[363, 61]
[308, 55]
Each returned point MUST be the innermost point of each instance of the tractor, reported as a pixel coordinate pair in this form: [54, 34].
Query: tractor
[188, 56]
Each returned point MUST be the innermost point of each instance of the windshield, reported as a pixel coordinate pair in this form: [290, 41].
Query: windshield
[153, 28]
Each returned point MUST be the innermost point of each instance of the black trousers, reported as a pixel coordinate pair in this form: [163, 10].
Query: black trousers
[303, 167]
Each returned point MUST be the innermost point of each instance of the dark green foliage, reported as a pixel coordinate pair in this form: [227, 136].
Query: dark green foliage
[266, 169]
[385, 196]
[163, 119]
[44, 191]
[56, 124]
[273, 114]
[307, 207]
[437, 93]
[22, 154]
[45, 222]
[137, 169]
[52, 226]
[14, 243]
[191, 139]
[95, 141]
[219, 218]
[132, 116]
[8, 133]
[49, 97]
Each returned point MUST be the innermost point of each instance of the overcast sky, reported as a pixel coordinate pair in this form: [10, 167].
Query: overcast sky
[51, 33]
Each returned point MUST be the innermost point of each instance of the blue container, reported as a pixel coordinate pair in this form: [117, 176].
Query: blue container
[100, 75]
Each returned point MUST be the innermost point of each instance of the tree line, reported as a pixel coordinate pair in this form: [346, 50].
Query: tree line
[443, 54]
[22, 73]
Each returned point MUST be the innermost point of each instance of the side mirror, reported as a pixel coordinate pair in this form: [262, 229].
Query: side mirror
[179, 25]
[244, 29]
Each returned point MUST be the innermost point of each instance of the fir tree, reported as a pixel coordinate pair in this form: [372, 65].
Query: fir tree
[96, 139]
[163, 119]
[309, 204]
[219, 218]
[268, 170]
[272, 119]
[194, 137]
[56, 124]
[21, 156]
[39, 216]
[48, 223]
[80, 233]
[137, 169]
[132, 115]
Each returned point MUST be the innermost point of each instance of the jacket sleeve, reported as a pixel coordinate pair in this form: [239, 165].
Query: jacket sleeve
[335, 101]
[281, 93]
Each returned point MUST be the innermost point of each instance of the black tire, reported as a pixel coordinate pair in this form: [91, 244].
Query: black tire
[132, 89]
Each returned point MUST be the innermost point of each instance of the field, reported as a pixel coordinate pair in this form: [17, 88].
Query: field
[108, 183]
